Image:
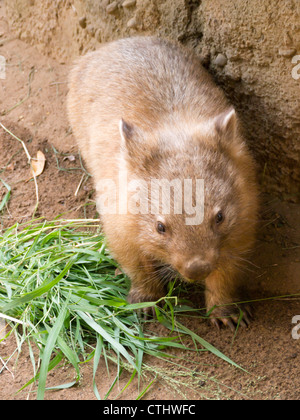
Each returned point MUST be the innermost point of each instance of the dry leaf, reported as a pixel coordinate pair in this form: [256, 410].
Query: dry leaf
[38, 164]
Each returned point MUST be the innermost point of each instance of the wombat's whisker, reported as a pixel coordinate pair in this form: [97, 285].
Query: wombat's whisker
[247, 261]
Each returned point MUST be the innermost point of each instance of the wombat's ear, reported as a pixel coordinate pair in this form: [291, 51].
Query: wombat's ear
[226, 124]
[126, 132]
[131, 140]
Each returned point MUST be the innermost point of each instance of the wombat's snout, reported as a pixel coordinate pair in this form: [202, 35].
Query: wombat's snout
[196, 269]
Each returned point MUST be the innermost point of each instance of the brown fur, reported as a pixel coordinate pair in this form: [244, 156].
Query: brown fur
[178, 126]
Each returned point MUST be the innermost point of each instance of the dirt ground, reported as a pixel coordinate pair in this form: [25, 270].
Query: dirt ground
[35, 87]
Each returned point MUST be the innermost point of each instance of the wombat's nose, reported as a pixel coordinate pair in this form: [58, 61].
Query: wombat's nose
[197, 269]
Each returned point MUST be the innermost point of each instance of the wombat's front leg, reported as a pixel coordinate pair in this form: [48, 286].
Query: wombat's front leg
[146, 286]
[221, 291]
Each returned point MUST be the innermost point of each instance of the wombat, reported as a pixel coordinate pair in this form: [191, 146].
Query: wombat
[145, 109]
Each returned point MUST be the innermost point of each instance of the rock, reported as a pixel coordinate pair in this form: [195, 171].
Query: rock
[220, 60]
[90, 30]
[287, 52]
[112, 7]
[132, 23]
[82, 22]
[129, 3]
[98, 35]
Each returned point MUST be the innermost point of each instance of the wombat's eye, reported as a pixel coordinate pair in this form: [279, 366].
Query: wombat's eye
[219, 217]
[160, 227]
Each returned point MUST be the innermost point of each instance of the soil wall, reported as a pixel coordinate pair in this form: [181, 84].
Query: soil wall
[251, 47]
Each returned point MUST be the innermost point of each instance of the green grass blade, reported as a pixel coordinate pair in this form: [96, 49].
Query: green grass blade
[140, 396]
[54, 362]
[62, 386]
[97, 356]
[118, 348]
[128, 383]
[113, 383]
[208, 346]
[39, 291]
[51, 341]
[7, 195]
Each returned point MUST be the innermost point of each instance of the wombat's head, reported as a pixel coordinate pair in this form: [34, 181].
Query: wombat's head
[194, 204]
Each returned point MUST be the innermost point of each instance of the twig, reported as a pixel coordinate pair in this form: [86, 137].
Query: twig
[82, 168]
[79, 185]
[57, 83]
[29, 162]
[2, 328]
[5, 367]
[2, 335]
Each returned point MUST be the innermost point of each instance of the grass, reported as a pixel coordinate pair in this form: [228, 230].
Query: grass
[59, 290]
[6, 197]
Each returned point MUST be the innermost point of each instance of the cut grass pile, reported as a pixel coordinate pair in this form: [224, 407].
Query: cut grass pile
[59, 289]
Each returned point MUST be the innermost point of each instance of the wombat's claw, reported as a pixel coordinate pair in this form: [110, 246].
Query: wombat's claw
[232, 320]
[146, 313]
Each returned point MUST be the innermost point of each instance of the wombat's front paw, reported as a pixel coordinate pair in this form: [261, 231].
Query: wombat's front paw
[231, 316]
[137, 296]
